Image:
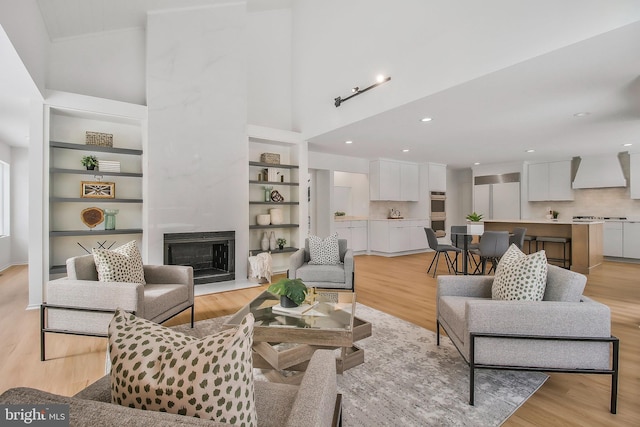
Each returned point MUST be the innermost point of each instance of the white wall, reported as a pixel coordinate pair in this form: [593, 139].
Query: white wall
[5, 242]
[354, 187]
[106, 65]
[19, 205]
[198, 149]
[269, 68]
[339, 44]
[334, 162]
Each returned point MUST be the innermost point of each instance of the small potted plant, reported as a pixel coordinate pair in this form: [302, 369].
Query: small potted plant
[475, 225]
[90, 162]
[555, 214]
[292, 292]
[281, 242]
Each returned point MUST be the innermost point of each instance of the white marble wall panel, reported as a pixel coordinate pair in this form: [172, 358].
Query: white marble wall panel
[198, 150]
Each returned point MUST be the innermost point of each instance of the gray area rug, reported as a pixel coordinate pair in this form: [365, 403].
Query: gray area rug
[407, 380]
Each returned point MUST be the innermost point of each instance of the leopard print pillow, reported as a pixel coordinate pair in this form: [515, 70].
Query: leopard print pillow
[122, 264]
[324, 251]
[519, 276]
[158, 369]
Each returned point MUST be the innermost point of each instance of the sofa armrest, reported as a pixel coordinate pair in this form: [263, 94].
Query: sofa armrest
[544, 318]
[315, 402]
[465, 286]
[348, 268]
[92, 294]
[295, 262]
[168, 274]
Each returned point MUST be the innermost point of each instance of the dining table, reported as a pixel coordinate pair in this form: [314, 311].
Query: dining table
[465, 247]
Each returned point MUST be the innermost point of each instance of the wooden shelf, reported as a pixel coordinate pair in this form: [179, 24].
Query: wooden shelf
[274, 183]
[94, 172]
[275, 203]
[91, 200]
[258, 227]
[95, 232]
[97, 148]
[271, 165]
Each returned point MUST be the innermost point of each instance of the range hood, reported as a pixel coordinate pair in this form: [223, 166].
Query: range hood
[599, 172]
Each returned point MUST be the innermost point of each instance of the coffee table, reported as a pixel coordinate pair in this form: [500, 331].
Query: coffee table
[287, 341]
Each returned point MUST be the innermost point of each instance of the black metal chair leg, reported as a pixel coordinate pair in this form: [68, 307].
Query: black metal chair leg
[432, 261]
[437, 332]
[435, 270]
[614, 377]
[192, 314]
[42, 354]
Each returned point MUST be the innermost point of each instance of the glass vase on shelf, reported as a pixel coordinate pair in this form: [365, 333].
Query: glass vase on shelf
[110, 218]
[267, 193]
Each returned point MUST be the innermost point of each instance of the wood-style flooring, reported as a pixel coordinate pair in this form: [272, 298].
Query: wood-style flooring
[399, 286]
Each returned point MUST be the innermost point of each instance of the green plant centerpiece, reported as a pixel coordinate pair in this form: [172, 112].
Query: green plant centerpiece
[281, 242]
[340, 213]
[292, 291]
[90, 162]
[474, 217]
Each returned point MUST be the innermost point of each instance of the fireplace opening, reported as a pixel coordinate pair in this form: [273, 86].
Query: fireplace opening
[211, 254]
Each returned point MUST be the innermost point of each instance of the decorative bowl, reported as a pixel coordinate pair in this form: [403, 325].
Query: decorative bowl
[264, 219]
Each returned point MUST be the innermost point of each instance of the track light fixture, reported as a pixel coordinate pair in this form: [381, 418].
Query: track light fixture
[355, 91]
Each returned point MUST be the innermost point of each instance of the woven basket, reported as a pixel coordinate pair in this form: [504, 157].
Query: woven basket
[272, 158]
[98, 138]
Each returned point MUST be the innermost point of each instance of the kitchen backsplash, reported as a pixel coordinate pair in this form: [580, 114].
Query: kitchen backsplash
[595, 201]
[380, 210]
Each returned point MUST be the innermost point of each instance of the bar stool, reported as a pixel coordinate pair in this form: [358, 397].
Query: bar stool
[529, 240]
[564, 240]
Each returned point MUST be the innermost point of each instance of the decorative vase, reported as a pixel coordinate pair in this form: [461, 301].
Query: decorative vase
[476, 228]
[267, 194]
[110, 218]
[264, 243]
[272, 241]
[287, 302]
[276, 216]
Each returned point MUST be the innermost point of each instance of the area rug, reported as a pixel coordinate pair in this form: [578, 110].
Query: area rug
[407, 380]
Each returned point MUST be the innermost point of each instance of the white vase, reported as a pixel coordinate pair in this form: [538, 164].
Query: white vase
[476, 228]
[272, 241]
[276, 216]
[264, 243]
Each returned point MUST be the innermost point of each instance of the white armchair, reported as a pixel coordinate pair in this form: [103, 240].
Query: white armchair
[81, 305]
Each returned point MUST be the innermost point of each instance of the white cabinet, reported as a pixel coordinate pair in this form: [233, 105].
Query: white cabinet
[631, 239]
[355, 232]
[437, 177]
[634, 175]
[613, 238]
[398, 236]
[550, 181]
[391, 180]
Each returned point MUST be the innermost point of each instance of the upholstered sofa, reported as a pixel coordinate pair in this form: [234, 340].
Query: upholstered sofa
[314, 402]
[80, 304]
[336, 276]
[566, 332]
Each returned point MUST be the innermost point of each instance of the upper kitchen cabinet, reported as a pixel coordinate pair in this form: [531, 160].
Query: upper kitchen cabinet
[392, 180]
[437, 177]
[550, 181]
[635, 175]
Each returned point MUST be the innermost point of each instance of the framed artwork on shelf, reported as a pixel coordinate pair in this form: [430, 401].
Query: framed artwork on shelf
[97, 190]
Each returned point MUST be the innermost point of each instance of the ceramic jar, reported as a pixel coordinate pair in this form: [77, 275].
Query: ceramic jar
[277, 216]
[264, 243]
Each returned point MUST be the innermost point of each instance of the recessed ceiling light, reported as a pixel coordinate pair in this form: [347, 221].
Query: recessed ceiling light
[380, 78]
[348, 142]
[628, 144]
[476, 163]
[530, 151]
[426, 119]
[406, 150]
[582, 114]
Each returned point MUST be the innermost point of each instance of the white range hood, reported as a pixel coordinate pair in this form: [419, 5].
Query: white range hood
[599, 172]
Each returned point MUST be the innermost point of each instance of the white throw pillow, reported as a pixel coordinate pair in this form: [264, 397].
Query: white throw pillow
[122, 264]
[519, 276]
[324, 251]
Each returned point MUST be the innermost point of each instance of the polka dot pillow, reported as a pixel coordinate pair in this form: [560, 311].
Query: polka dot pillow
[520, 277]
[324, 251]
[158, 369]
[123, 264]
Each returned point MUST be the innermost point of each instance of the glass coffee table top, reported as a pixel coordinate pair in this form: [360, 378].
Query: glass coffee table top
[323, 310]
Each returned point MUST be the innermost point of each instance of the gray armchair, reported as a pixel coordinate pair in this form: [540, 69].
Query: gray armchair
[337, 276]
[566, 332]
[79, 304]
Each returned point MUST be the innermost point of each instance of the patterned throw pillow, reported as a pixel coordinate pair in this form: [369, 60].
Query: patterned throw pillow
[158, 369]
[324, 251]
[122, 264]
[519, 276]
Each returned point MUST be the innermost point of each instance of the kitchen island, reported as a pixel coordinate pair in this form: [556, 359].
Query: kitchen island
[586, 238]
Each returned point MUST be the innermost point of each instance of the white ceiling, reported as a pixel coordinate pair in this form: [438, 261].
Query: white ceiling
[491, 119]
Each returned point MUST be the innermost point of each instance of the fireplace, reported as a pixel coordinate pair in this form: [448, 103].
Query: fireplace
[210, 253]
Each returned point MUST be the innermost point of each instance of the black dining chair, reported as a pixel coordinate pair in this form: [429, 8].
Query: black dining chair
[493, 244]
[440, 249]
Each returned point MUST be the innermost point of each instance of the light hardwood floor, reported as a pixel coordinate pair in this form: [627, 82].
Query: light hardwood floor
[399, 286]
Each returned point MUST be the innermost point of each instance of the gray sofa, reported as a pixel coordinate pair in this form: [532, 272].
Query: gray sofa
[566, 332]
[314, 402]
[79, 304]
[338, 276]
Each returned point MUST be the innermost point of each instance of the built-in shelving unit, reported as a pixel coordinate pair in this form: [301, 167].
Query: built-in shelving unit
[68, 123]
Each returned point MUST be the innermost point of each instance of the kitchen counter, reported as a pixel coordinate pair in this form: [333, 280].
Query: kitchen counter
[350, 218]
[586, 238]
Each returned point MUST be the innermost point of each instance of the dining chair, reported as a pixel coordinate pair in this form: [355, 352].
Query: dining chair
[457, 240]
[517, 237]
[493, 244]
[432, 240]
